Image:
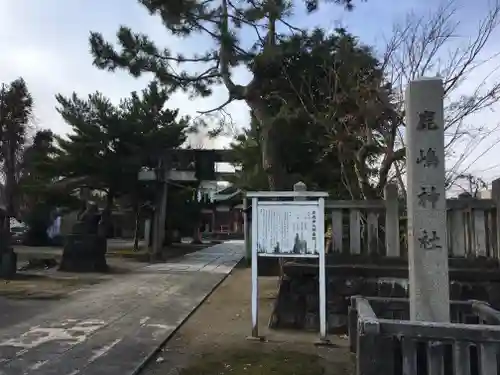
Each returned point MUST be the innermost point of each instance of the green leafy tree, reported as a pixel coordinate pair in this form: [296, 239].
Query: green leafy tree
[224, 23]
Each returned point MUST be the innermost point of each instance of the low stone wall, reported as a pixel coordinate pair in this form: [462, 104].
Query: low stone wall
[297, 304]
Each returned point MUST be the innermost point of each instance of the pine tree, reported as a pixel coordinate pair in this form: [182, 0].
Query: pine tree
[224, 22]
[38, 196]
[109, 144]
[323, 93]
[16, 109]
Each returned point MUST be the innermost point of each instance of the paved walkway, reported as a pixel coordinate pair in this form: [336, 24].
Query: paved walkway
[114, 327]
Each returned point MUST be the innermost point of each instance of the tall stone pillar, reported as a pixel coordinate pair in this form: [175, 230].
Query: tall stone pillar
[427, 248]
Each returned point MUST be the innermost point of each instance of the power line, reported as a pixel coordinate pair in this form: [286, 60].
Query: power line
[487, 169]
[488, 149]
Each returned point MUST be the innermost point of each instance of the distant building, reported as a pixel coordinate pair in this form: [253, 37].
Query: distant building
[226, 213]
[484, 194]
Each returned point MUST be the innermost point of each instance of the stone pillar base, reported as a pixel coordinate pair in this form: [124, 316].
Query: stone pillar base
[8, 264]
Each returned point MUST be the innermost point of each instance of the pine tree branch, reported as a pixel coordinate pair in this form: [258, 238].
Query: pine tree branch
[241, 18]
[218, 108]
[291, 27]
[236, 92]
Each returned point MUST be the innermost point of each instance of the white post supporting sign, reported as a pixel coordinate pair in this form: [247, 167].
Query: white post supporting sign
[288, 228]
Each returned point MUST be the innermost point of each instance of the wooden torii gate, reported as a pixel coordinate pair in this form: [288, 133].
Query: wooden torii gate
[182, 165]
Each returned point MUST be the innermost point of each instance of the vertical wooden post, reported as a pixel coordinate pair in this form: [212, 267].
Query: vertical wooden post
[392, 240]
[162, 214]
[155, 246]
[495, 195]
[147, 233]
[162, 175]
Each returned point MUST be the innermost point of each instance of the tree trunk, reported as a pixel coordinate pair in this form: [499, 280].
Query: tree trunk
[8, 258]
[5, 236]
[163, 233]
[10, 204]
[104, 223]
[197, 235]
[276, 174]
[137, 227]
[10, 194]
[10, 178]
[399, 177]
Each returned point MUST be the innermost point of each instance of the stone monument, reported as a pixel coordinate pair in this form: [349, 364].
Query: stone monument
[427, 248]
[85, 247]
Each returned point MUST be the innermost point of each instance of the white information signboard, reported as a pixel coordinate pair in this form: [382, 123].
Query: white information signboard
[287, 228]
[290, 228]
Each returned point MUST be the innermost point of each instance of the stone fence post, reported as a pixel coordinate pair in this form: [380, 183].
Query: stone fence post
[427, 235]
[392, 235]
[299, 186]
[495, 195]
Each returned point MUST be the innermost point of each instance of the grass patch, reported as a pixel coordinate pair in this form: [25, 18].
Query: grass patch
[127, 251]
[252, 362]
[141, 255]
[169, 252]
[20, 294]
[42, 288]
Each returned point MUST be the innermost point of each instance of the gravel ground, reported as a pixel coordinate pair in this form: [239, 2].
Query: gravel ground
[213, 340]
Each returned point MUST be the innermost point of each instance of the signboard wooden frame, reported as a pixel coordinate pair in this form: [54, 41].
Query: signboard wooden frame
[293, 228]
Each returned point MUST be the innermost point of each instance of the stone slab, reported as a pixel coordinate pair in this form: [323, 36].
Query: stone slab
[116, 326]
[427, 247]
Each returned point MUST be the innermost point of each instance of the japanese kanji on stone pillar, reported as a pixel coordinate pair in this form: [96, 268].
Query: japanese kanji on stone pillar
[427, 250]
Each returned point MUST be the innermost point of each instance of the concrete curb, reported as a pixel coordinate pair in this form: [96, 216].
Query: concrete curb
[156, 350]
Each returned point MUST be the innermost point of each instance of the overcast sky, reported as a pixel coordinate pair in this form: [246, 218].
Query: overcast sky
[46, 42]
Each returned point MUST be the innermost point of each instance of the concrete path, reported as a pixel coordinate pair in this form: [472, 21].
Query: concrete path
[114, 327]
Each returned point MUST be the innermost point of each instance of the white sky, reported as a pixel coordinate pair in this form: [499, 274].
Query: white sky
[46, 42]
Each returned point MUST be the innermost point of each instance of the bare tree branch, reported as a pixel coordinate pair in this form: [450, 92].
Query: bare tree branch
[431, 45]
